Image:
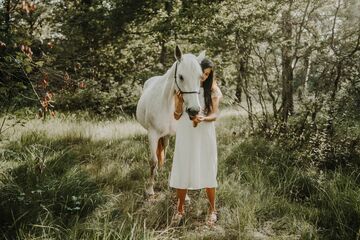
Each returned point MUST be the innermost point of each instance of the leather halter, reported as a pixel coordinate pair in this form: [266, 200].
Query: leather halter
[181, 91]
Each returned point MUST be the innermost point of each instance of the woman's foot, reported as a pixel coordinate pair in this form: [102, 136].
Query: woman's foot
[178, 219]
[212, 218]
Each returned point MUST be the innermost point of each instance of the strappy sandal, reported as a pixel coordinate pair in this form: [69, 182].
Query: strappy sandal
[178, 219]
[212, 218]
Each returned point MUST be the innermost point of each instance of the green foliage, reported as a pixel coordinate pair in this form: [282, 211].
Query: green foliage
[121, 99]
[111, 45]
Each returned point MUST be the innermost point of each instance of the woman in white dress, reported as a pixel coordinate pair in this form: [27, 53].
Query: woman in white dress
[195, 156]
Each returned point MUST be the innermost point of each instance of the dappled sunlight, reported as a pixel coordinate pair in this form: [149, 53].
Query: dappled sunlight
[96, 131]
[93, 130]
[227, 112]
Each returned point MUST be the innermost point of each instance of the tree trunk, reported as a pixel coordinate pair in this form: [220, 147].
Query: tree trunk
[305, 80]
[165, 35]
[163, 52]
[249, 104]
[242, 59]
[7, 16]
[239, 80]
[287, 71]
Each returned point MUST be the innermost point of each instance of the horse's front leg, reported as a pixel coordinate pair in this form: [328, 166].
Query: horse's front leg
[153, 143]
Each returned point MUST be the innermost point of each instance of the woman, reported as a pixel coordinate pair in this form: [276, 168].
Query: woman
[195, 156]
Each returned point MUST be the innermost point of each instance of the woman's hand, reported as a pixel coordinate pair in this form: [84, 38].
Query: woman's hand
[201, 118]
[198, 119]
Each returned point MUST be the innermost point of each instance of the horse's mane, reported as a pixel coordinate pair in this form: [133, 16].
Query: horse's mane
[169, 72]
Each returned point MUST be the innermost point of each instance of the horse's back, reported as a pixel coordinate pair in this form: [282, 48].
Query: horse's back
[151, 81]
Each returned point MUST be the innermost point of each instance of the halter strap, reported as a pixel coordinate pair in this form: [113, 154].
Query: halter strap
[182, 92]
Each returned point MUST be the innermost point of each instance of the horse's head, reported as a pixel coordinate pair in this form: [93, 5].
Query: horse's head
[187, 79]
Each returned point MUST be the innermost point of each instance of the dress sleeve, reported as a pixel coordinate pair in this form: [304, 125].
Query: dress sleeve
[216, 93]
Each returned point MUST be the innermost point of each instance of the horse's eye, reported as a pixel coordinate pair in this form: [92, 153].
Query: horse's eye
[181, 77]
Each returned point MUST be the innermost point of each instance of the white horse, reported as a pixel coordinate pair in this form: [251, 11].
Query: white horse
[156, 105]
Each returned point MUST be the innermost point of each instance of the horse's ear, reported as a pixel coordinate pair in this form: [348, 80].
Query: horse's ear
[201, 56]
[178, 53]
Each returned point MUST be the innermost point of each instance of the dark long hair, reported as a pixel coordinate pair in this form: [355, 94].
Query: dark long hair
[208, 83]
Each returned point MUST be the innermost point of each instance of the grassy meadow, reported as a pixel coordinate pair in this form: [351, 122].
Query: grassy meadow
[80, 178]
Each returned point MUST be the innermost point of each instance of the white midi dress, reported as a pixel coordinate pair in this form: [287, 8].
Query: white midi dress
[195, 155]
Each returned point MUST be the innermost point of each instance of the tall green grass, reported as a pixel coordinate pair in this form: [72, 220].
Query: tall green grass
[76, 183]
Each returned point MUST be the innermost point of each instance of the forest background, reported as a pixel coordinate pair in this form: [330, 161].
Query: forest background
[72, 155]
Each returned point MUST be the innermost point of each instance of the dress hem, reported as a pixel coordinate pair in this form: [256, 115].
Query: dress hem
[194, 188]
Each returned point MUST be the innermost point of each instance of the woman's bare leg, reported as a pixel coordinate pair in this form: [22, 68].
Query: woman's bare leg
[181, 193]
[211, 196]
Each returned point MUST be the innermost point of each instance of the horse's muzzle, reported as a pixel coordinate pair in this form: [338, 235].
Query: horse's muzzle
[192, 112]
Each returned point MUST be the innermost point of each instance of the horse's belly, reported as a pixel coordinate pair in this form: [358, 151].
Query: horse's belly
[153, 111]
[163, 124]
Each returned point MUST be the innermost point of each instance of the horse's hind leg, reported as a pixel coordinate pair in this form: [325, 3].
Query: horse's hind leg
[153, 140]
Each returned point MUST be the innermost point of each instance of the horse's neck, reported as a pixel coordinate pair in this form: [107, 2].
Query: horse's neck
[169, 85]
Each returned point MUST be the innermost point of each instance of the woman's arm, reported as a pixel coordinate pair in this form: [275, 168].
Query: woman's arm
[212, 115]
[214, 111]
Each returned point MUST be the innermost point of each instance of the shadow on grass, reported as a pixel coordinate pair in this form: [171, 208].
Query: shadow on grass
[48, 186]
